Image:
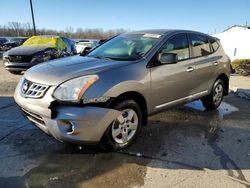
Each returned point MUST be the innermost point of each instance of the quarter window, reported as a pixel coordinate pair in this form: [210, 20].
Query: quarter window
[214, 44]
[200, 45]
[177, 44]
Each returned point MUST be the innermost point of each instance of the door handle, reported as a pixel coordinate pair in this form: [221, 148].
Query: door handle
[216, 63]
[190, 69]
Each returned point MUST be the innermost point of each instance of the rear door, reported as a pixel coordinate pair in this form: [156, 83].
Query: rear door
[205, 62]
[173, 83]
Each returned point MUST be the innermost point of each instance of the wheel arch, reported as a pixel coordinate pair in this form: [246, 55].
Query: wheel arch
[138, 98]
[225, 79]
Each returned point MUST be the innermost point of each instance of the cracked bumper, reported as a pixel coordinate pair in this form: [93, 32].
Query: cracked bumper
[76, 125]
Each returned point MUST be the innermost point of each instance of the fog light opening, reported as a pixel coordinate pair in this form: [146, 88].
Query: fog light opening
[71, 129]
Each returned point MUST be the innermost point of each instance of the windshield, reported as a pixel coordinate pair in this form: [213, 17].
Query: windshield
[126, 47]
[15, 39]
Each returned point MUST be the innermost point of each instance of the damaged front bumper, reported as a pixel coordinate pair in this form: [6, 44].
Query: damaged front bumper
[76, 125]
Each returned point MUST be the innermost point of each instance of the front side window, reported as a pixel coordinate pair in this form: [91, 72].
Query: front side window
[178, 45]
[200, 45]
[126, 47]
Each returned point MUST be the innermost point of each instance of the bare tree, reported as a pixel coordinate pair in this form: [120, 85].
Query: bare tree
[69, 31]
[16, 27]
[27, 29]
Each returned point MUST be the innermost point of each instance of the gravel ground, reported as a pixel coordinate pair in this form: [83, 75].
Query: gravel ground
[240, 85]
[8, 81]
[182, 147]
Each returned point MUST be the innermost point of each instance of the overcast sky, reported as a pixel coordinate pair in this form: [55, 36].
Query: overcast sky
[201, 15]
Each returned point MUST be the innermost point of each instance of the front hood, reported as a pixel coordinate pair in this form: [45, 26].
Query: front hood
[57, 71]
[9, 43]
[27, 50]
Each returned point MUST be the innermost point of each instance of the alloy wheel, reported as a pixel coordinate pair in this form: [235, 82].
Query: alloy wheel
[218, 94]
[125, 126]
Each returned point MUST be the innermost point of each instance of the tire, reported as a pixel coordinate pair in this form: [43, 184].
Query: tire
[232, 70]
[214, 99]
[15, 72]
[114, 138]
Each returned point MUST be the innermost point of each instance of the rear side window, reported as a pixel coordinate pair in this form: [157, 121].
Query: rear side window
[177, 44]
[200, 45]
[214, 43]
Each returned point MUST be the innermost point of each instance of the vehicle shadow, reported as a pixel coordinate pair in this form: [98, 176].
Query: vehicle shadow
[185, 137]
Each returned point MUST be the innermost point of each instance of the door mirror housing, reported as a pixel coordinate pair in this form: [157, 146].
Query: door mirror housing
[167, 58]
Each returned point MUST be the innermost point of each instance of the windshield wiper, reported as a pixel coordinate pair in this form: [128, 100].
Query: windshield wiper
[104, 57]
[117, 58]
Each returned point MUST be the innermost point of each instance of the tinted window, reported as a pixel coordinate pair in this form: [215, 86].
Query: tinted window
[178, 45]
[200, 45]
[214, 43]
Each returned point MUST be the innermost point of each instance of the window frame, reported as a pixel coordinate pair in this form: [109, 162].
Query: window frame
[191, 46]
[189, 52]
[216, 40]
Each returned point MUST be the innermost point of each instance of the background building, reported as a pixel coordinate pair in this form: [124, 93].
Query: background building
[236, 41]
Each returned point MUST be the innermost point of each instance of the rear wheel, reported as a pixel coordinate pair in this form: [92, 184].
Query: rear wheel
[124, 129]
[214, 99]
[15, 72]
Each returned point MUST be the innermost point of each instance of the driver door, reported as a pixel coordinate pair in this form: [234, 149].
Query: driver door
[172, 84]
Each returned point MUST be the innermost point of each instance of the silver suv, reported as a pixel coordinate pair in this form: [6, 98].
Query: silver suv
[106, 96]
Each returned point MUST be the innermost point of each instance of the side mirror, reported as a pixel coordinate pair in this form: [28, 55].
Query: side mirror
[85, 51]
[167, 58]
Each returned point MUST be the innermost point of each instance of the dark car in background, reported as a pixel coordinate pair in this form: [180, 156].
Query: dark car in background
[35, 50]
[14, 42]
[2, 41]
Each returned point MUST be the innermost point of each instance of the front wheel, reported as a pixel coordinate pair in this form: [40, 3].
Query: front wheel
[214, 99]
[124, 129]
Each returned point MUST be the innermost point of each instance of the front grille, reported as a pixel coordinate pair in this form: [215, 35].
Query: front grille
[20, 58]
[35, 118]
[33, 90]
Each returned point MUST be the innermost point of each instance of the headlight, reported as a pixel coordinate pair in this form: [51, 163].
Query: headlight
[74, 89]
[47, 55]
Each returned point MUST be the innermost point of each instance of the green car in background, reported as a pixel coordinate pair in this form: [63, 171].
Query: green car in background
[35, 50]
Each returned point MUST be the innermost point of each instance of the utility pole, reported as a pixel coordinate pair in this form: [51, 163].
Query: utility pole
[33, 19]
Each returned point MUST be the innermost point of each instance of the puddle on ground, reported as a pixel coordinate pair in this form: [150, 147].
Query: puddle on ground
[226, 109]
[223, 110]
[79, 168]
